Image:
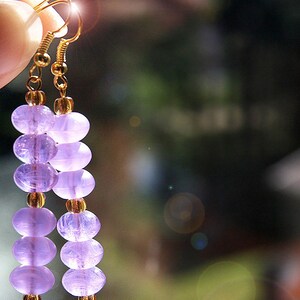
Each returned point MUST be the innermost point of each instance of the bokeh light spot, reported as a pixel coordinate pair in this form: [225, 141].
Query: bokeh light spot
[184, 213]
[135, 121]
[226, 281]
[199, 241]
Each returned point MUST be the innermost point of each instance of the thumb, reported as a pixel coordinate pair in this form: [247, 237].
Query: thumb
[21, 31]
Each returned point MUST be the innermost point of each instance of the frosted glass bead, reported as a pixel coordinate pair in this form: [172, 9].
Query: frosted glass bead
[75, 184]
[32, 279]
[78, 227]
[71, 157]
[32, 148]
[81, 255]
[35, 119]
[69, 128]
[84, 282]
[34, 251]
[34, 222]
[35, 177]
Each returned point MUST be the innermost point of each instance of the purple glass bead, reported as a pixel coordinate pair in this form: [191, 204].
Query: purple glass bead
[78, 227]
[69, 128]
[81, 255]
[35, 177]
[32, 279]
[84, 282]
[34, 222]
[71, 157]
[32, 148]
[74, 185]
[33, 119]
[34, 251]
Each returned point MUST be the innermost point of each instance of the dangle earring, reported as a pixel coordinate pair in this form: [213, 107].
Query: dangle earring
[78, 226]
[54, 158]
[35, 176]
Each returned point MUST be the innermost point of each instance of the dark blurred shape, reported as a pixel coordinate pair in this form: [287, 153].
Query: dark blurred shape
[8, 102]
[257, 19]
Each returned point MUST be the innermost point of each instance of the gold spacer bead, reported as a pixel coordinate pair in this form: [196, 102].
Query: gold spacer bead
[42, 59]
[63, 105]
[35, 98]
[32, 297]
[36, 199]
[59, 69]
[76, 205]
[92, 297]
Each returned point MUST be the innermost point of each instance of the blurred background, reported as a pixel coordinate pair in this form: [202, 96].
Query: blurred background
[195, 132]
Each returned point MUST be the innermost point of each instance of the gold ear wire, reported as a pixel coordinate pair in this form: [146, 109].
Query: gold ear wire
[59, 68]
[80, 25]
[41, 58]
[64, 43]
[40, 7]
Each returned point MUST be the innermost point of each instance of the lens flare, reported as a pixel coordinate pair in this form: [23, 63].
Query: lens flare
[90, 13]
[75, 7]
[184, 213]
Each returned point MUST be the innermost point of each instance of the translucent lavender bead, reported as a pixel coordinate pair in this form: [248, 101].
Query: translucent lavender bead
[35, 177]
[78, 227]
[34, 251]
[74, 185]
[84, 282]
[32, 279]
[69, 128]
[33, 119]
[34, 222]
[32, 148]
[81, 255]
[71, 157]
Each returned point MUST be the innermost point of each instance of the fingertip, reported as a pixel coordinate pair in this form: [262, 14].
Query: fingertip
[21, 31]
[20, 35]
[51, 20]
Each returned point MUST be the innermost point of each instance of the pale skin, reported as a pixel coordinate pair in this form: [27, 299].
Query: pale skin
[21, 31]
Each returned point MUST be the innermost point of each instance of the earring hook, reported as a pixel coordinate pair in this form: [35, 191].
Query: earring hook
[41, 58]
[80, 25]
[59, 68]
[40, 7]
[64, 43]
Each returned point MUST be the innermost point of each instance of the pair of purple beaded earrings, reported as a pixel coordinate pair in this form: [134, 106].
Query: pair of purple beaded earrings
[54, 159]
